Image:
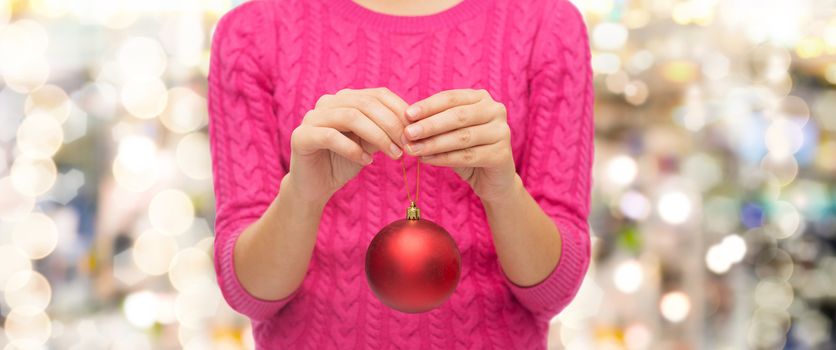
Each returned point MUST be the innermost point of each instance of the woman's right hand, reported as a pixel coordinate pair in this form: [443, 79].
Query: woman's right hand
[340, 135]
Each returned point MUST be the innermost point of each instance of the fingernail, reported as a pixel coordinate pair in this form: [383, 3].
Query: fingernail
[412, 112]
[414, 147]
[395, 150]
[367, 158]
[413, 130]
[427, 157]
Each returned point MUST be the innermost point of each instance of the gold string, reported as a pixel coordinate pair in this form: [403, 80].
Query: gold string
[417, 179]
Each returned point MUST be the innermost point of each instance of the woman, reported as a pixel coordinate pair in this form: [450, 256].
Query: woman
[308, 99]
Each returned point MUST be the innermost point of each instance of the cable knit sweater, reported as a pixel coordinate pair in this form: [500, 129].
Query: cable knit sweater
[270, 62]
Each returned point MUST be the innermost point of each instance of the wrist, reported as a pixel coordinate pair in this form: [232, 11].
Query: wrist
[509, 196]
[290, 190]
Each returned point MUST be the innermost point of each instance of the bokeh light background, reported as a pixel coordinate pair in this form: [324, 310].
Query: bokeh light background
[713, 211]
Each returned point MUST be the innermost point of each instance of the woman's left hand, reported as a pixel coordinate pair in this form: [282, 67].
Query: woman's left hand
[468, 130]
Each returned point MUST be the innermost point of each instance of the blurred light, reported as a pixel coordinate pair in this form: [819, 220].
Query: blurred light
[675, 306]
[128, 177]
[786, 219]
[810, 47]
[144, 97]
[694, 12]
[783, 138]
[33, 176]
[830, 73]
[774, 264]
[734, 248]
[584, 306]
[100, 100]
[12, 260]
[810, 198]
[141, 57]
[49, 100]
[635, 205]
[640, 61]
[716, 66]
[636, 18]
[720, 257]
[66, 187]
[716, 261]
[153, 252]
[596, 7]
[165, 309]
[751, 215]
[22, 48]
[674, 207]
[622, 170]
[26, 75]
[703, 169]
[823, 107]
[185, 39]
[637, 336]
[113, 14]
[825, 154]
[247, 337]
[617, 81]
[635, 92]
[796, 110]
[76, 125]
[50, 8]
[784, 169]
[5, 12]
[140, 309]
[137, 152]
[191, 268]
[679, 71]
[28, 289]
[28, 324]
[605, 63]
[777, 64]
[193, 156]
[768, 329]
[197, 305]
[773, 294]
[13, 204]
[36, 235]
[811, 328]
[39, 136]
[171, 212]
[628, 276]
[609, 36]
[185, 111]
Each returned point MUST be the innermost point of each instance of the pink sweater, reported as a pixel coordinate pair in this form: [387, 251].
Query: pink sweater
[271, 60]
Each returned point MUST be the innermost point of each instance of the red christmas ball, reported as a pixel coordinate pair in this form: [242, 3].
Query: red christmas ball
[413, 265]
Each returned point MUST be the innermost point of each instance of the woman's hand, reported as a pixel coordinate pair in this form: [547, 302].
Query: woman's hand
[467, 130]
[339, 136]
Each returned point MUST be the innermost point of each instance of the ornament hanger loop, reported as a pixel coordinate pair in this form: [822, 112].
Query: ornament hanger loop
[412, 213]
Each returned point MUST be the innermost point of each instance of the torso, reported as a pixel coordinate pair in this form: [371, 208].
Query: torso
[490, 50]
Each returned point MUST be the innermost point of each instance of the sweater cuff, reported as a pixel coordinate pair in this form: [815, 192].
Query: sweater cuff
[233, 291]
[548, 297]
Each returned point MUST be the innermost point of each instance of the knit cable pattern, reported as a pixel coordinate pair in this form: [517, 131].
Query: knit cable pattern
[272, 59]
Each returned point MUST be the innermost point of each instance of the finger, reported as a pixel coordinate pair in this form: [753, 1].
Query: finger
[448, 120]
[395, 103]
[466, 137]
[308, 139]
[353, 120]
[370, 104]
[476, 156]
[444, 100]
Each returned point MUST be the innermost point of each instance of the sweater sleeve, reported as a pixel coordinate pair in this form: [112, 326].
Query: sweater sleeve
[245, 143]
[555, 168]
